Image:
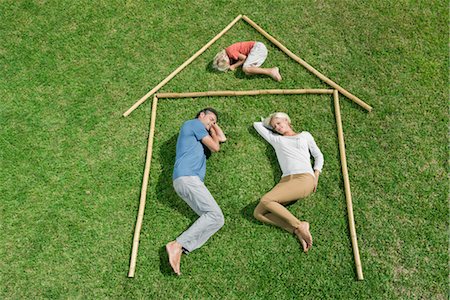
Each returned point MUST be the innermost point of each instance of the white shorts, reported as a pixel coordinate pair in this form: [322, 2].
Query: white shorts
[257, 55]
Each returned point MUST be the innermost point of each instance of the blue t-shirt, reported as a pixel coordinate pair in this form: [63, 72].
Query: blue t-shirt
[190, 157]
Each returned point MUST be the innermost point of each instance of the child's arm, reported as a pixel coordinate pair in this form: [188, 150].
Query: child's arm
[241, 60]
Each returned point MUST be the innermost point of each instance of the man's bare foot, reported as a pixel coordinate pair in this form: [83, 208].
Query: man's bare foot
[303, 234]
[174, 250]
[275, 74]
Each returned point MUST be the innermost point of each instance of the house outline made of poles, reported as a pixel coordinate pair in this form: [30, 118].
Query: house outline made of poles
[336, 89]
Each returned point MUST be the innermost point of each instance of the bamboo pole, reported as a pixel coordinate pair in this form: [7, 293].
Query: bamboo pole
[244, 93]
[348, 194]
[308, 66]
[168, 78]
[140, 217]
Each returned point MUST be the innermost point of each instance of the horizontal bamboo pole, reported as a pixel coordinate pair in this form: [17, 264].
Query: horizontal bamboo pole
[348, 194]
[308, 66]
[244, 93]
[168, 78]
[140, 217]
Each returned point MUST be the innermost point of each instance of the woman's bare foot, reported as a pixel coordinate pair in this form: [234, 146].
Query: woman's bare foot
[304, 245]
[174, 250]
[275, 74]
[303, 234]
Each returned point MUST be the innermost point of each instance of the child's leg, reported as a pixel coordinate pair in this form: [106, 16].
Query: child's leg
[255, 59]
[272, 72]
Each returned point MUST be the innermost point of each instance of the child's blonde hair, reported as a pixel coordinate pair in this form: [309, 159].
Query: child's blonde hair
[280, 115]
[221, 61]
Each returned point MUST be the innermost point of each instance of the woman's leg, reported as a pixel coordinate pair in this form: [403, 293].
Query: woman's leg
[265, 216]
[272, 210]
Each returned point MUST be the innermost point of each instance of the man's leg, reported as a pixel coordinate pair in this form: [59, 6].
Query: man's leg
[194, 192]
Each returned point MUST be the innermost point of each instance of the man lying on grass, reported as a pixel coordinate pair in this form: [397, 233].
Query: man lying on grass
[196, 137]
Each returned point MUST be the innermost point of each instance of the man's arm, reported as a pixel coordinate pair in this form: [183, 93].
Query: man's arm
[215, 137]
[219, 132]
[212, 141]
[241, 60]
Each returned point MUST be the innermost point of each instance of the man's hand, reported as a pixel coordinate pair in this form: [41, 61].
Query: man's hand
[215, 129]
[215, 137]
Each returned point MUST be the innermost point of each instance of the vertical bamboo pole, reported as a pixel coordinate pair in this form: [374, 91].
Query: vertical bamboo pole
[168, 78]
[348, 194]
[140, 217]
[308, 66]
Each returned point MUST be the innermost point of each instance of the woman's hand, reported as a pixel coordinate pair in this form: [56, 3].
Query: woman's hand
[316, 180]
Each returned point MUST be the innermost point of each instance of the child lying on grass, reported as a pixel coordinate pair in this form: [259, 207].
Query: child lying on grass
[249, 54]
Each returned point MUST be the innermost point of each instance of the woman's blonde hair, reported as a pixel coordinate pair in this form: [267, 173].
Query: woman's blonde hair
[221, 61]
[280, 115]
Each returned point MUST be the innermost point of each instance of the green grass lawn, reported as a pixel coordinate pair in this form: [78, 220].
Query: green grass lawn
[71, 166]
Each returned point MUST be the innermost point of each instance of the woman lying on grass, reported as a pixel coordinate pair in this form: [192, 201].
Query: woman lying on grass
[298, 180]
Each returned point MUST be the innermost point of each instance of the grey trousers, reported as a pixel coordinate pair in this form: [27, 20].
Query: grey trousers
[194, 192]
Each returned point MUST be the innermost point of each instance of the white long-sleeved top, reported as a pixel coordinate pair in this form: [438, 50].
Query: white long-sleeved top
[293, 152]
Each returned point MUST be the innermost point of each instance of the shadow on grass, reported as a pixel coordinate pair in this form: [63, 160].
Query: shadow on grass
[164, 189]
[164, 266]
[209, 68]
[270, 153]
[167, 196]
[247, 211]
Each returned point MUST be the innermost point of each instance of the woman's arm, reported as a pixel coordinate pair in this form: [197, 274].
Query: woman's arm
[315, 152]
[268, 135]
[316, 180]
[318, 159]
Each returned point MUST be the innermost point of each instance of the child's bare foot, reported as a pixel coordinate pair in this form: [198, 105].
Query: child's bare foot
[174, 250]
[275, 74]
[303, 234]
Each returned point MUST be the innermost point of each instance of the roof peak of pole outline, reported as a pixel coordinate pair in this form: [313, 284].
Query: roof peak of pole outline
[271, 39]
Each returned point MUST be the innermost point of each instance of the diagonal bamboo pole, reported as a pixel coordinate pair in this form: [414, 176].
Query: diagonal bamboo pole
[348, 194]
[308, 66]
[140, 217]
[168, 78]
[244, 93]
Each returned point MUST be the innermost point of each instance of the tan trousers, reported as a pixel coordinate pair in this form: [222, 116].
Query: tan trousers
[271, 209]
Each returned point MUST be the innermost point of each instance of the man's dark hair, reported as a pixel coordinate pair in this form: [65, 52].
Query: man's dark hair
[208, 110]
